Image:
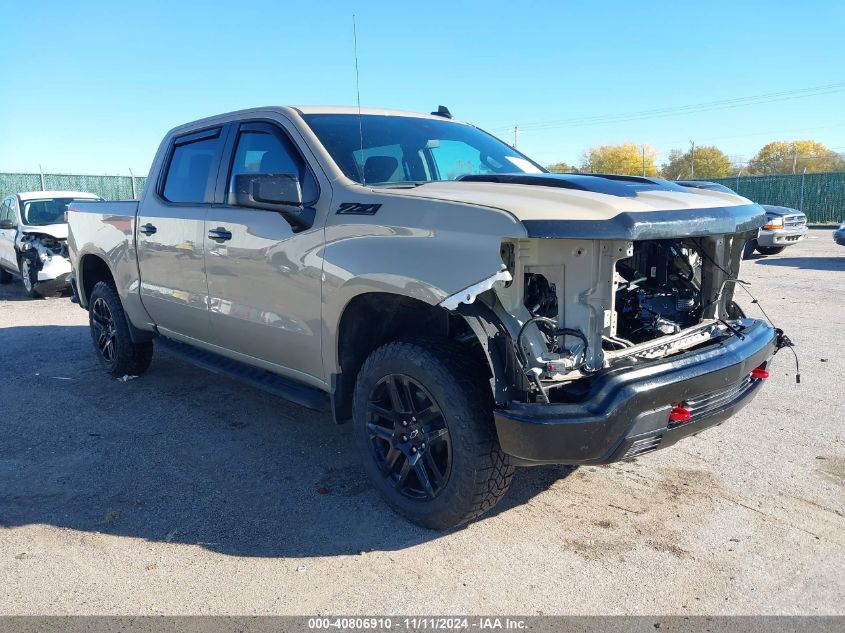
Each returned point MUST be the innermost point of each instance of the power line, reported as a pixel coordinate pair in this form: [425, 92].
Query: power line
[771, 97]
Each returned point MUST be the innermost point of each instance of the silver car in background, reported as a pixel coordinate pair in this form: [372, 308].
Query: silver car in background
[784, 226]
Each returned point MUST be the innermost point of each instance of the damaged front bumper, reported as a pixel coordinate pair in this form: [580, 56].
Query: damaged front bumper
[626, 412]
[55, 269]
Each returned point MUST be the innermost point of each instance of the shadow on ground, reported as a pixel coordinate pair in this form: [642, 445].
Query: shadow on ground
[806, 263]
[184, 456]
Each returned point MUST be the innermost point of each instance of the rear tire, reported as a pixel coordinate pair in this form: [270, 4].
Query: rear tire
[770, 250]
[113, 345]
[423, 418]
[29, 275]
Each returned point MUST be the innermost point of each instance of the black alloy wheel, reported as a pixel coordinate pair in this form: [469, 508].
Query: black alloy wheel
[409, 437]
[102, 322]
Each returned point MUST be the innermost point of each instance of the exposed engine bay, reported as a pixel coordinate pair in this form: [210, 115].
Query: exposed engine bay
[661, 290]
[576, 307]
[45, 246]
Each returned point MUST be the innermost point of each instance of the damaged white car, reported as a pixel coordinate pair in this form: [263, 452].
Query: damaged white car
[33, 239]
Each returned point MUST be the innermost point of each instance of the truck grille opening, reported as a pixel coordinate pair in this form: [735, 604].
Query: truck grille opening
[660, 292]
[644, 445]
[708, 403]
[794, 221]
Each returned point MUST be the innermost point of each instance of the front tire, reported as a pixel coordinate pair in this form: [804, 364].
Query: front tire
[770, 250]
[749, 248]
[115, 350]
[423, 417]
[29, 275]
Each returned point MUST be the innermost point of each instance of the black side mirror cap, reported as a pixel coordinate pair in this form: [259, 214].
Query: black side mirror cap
[273, 192]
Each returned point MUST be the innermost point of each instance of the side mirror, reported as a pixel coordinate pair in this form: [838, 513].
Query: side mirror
[7, 224]
[273, 192]
[267, 191]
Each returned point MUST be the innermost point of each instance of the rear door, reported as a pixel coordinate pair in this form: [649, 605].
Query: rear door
[264, 274]
[170, 232]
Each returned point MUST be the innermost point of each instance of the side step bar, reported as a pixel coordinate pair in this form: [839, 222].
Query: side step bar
[253, 376]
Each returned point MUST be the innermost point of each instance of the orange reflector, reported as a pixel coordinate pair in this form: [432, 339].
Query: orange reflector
[679, 414]
[760, 373]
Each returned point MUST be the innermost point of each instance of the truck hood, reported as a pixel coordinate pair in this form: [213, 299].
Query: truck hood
[600, 206]
[59, 231]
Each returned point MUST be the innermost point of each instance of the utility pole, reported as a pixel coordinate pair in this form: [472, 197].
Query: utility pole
[794, 158]
[41, 173]
[642, 147]
[692, 160]
[515, 131]
[801, 201]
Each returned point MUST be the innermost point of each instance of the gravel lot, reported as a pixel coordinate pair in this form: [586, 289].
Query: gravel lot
[182, 492]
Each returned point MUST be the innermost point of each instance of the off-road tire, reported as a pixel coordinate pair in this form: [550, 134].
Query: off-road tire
[29, 275]
[749, 248]
[770, 250]
[5, 276]
[480, 473]
[126, 357]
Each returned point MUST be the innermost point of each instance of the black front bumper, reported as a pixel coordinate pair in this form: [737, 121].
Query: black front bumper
[627, 411]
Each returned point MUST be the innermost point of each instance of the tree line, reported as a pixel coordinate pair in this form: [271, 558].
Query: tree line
[707, 161]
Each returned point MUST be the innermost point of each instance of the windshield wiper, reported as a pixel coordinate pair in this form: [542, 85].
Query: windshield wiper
[401, 184]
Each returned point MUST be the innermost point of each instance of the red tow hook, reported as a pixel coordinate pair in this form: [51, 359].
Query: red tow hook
[679, 414]
[760, 373]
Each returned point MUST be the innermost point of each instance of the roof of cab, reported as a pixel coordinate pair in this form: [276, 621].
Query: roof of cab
[333, 109]
[41, 195]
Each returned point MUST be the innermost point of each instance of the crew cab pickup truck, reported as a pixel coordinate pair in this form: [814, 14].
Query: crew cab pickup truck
[466, 310]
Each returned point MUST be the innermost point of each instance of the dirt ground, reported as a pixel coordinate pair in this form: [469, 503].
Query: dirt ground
[182, 492]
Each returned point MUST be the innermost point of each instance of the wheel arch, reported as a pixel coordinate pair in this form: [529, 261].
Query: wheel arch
[372, 319]
[93, 269]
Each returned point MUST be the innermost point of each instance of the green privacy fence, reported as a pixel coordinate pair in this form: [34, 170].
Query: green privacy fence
[820, 196]
[108, 187]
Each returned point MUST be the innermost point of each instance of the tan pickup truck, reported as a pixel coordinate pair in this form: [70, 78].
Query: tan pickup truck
[468, 311]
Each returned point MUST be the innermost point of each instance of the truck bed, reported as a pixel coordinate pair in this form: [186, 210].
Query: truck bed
[106, 229]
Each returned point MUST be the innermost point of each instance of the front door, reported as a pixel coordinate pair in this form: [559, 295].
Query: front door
[171, 235]
[264, 275]
[8, 231]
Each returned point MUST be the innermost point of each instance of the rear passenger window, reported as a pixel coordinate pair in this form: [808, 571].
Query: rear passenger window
[193, 161]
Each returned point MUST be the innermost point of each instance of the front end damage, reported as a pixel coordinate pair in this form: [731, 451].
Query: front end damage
[48, 256]
[610, 348]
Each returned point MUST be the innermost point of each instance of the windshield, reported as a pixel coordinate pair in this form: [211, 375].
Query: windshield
[404, 149]
[47, 211]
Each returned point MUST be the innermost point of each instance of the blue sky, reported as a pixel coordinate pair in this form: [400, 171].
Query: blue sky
[91, 87]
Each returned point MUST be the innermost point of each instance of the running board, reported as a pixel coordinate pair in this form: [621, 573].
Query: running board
[253, 376]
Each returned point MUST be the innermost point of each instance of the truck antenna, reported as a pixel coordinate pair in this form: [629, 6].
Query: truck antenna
[358, 93]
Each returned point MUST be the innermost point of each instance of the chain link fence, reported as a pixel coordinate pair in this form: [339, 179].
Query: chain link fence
[107, 187]
[820, 196]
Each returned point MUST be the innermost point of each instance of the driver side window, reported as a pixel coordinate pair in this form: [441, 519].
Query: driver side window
[262, 150]
[7, 214]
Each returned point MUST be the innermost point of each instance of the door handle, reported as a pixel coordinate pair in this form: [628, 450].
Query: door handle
[220, 234]
[148, 229]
